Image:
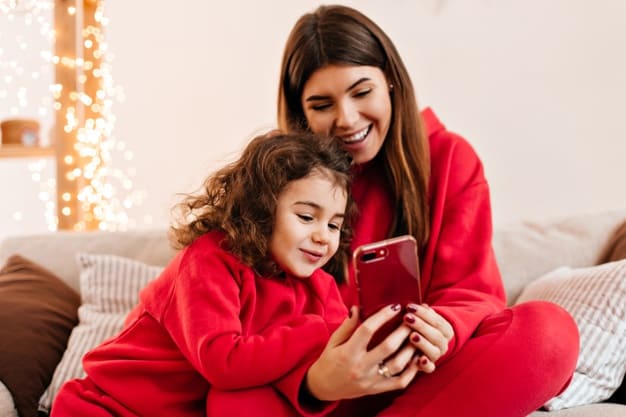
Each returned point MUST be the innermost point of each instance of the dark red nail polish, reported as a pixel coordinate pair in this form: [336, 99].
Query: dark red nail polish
[409, 318]
[424, 360]
[396, 307]
[415, 338]
[411, 308]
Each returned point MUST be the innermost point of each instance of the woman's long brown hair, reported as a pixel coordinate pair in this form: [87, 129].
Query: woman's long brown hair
[343, 36]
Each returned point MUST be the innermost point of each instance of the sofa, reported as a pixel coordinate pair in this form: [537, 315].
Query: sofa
[526, 251]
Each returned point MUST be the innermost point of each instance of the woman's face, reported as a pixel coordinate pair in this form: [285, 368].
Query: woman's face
[351, 102]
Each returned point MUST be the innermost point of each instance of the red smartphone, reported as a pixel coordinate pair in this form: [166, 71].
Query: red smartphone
[387, 272]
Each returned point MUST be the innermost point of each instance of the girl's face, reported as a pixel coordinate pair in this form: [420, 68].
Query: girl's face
[351, 102]
[309, 216]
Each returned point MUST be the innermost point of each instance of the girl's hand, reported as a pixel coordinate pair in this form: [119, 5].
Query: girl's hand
[431, 334]
[346, 369]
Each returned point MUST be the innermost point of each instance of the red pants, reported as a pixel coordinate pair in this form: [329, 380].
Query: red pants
[514, 363]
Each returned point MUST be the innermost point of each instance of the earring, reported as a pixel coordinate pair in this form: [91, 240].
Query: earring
[390, 87]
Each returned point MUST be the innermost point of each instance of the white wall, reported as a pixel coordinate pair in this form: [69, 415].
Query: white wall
[537, 87]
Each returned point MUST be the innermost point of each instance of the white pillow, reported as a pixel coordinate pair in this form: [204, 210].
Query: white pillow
[110, 288]
[596, 298]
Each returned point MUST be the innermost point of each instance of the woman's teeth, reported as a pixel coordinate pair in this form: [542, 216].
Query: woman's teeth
[357, 136]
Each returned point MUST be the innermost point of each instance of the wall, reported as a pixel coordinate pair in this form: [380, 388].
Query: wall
[535, 86]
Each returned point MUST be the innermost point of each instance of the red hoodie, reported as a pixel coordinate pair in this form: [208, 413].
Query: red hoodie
[459, 275]
[209, 322]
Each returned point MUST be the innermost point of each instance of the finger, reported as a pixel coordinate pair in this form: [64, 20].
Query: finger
[429, 315]
[427, 349]
[366, 330]
[345, 330]
[399, 381]
[398, 362]
[390, 344]
[405, 378]
[430, 325]
[425, 365]
[426, 338]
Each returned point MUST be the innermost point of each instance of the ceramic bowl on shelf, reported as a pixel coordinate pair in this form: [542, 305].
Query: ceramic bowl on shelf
[23, 132]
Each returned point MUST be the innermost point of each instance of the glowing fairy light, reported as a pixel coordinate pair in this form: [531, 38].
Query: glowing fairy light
[24, 84]
[47, 191]
[95, 142]
[104, 194]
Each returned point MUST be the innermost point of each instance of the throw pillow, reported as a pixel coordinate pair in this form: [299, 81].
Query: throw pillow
[110, 287]
[37, 312]
[616, 247]
[596, 298]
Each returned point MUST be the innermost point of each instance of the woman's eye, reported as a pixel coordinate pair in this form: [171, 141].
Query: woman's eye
[334, 227]
[320, 107]
[362, 93]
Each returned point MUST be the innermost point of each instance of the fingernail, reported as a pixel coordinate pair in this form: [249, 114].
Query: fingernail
[350, 312]
[415, 338]
[412, 308]
[409, 318]
[396, 307]
[424, 360]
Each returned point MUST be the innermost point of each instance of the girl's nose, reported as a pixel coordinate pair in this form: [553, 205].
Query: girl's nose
[320, 236]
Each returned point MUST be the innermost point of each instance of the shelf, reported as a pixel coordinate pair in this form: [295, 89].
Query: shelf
[19, 151]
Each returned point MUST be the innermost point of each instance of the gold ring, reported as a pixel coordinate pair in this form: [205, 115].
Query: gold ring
[383, 370]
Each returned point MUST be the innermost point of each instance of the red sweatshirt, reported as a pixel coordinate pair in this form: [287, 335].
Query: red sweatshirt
[459, 275]
[208, 322]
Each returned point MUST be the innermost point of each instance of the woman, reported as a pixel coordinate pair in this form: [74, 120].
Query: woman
[468, 354]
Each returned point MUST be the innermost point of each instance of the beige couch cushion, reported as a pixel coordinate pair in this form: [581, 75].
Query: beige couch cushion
[616, 247]
[110, 289]
[595, 296]
[593, 410]
[57, 251]
[527, 250]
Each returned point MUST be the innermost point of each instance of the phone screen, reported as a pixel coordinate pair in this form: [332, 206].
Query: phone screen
[387, 272]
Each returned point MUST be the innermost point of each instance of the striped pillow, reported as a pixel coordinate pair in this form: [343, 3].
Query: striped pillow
[596, 298]
[110, 288]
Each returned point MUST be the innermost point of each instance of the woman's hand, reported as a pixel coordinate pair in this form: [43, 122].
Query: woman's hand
[431, 334]
[346, 369]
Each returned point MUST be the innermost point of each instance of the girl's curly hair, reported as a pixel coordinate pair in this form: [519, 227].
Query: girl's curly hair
[240, 198]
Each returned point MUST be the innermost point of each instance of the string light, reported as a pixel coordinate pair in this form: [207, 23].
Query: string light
[47, 191]
[107, 194]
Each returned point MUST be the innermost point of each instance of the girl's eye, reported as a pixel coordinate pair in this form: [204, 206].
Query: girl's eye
[334, 227]
[305, 217]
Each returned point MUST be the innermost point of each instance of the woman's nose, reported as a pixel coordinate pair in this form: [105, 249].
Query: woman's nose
[347, 115]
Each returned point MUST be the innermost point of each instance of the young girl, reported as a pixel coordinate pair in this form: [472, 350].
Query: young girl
[233, 323]
[341, 75]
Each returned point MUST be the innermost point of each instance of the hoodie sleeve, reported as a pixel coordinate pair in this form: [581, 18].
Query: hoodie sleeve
[292, 385]
[460, 272]
[203, 319]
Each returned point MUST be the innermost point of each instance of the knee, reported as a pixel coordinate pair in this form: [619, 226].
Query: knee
[551, 333]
